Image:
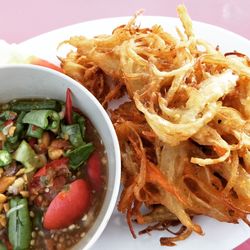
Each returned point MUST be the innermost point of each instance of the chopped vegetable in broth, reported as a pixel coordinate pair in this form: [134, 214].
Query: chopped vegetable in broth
[53, 172]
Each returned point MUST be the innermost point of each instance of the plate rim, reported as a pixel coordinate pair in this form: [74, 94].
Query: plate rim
[143, 17]
[175, 21]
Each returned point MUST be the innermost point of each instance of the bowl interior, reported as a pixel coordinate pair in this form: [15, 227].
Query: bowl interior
[26, 81]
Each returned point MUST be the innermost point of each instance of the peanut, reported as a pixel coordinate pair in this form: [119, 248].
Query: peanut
[3, 221]
[2, 136]
[11, 131]
[17, 186]
[55, 153]
[5, 182]
[1, 171]
[6, 207]
[25, 194]
[3, 198]
[25, 177]
[20, 172]
[45, 140]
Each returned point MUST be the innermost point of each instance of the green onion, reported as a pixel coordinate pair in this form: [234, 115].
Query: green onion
[79, 155]
[19, 224]
[6, 126]
[74, 133]
[37, 221]
[27, 156]
[81, 121]
[5, 158]
[19, 131]
[45, 119]
[13, 209]
[28, 105]
[7, 115]
[10, 147]
[34, 131]
[2, 246]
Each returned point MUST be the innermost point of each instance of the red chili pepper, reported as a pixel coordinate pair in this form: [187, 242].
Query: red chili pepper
[7, 123]
[41, 62]
[68, 111]
[32, 142]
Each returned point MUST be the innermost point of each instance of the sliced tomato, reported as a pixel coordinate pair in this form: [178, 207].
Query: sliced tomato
[41, 62]
[94, 171]
[40, 172]
[53, 176]
[53, 164]
[68, 206]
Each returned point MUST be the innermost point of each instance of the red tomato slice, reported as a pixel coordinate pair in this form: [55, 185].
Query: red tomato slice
[53, 176]
[94, 171]
[40, 172]
[53, 164]
[68, 206]
[41, 62]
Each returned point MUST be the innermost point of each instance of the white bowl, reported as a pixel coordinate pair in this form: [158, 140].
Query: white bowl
[25, 81]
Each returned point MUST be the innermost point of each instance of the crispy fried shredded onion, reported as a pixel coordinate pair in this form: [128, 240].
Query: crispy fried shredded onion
[183, 125]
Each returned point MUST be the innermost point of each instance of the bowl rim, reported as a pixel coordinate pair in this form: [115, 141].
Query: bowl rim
[115, 142]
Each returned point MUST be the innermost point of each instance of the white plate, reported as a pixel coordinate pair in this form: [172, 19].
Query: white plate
[117, 236]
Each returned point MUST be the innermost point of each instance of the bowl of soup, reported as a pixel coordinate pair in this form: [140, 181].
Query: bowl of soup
[59, 161]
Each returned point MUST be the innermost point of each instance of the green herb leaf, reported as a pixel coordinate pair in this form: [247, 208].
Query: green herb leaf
[79, 155]
[5, 158]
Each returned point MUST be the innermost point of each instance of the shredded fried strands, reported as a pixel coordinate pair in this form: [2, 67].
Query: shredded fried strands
[184, 131]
